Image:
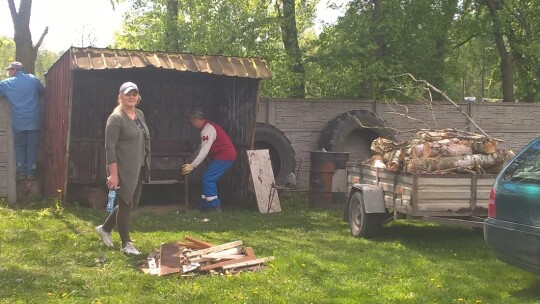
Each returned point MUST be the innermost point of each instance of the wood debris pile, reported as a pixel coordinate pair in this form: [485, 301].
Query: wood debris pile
[440, 151]
[195, 257]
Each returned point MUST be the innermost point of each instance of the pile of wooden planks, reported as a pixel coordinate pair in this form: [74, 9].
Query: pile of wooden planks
[193, 257]
[440, 151]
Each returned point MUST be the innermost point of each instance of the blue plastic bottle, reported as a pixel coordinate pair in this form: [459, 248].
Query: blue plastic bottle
[110, 202]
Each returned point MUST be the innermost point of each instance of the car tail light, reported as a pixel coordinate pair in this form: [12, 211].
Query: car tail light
[491, 205]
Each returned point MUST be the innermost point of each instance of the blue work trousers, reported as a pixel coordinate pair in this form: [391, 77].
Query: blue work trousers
[25, 143]
[211, 176]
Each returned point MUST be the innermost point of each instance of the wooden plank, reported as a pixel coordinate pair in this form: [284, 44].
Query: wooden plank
[249, 263]
[248, 251]
[225, 263]
[222, 256]
[237, 251]
[170, 258]
[192, 245]
[219, 254]
[214, 249]
[262, 176]
[250, 255]
[197, 241]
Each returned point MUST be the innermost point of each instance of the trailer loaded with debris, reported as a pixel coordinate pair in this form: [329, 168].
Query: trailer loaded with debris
[196, 257]
[442, 176]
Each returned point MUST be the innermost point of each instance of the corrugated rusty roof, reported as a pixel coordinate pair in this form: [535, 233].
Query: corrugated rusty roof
[104, 58]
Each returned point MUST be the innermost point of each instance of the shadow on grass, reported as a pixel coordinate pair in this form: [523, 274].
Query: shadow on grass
[532, 292]
[295, 215]
[420, 235]
[412, 230]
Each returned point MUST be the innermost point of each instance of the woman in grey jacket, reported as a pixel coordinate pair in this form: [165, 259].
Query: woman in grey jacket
[127, 149]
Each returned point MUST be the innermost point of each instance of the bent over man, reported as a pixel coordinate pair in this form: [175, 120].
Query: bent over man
[217, 145]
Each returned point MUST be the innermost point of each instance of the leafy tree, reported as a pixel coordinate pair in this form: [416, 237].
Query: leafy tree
[472, 59]
[25, 51]
[523, 34]
[289, 33]
[496, 9]
[376, 39]
[171, 26]
[7, 51]
[45, 59]
[513, 28]
[245, 28]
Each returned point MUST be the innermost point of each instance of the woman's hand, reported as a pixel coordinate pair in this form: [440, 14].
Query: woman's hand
[112, 181]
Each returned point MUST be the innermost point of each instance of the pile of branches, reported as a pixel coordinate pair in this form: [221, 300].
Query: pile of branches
[440, 151]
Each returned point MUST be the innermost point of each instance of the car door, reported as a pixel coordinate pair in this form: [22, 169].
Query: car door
[517, 188]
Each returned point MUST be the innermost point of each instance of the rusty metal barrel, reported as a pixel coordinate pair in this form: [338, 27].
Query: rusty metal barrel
[327, 179]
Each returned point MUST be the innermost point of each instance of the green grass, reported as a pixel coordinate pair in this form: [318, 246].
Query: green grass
[51, 255]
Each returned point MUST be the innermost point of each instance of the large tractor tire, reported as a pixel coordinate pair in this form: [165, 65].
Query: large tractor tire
[353, 132]
[281, 152]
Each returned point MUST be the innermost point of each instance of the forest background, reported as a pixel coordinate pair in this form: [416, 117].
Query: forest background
[485, 49]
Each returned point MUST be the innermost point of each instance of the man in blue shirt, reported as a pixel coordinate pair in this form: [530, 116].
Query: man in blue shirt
[22, 91]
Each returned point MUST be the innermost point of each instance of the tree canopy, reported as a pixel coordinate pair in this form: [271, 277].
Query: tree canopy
[481, 48]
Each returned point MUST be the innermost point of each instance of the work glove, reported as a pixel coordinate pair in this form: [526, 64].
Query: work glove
[186, 169]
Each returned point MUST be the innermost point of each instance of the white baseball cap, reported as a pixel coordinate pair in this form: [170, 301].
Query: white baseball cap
[128, 86]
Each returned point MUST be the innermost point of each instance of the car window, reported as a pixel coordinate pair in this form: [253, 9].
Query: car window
[526, 167]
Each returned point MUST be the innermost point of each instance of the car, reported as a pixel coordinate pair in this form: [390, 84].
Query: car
[512, 228]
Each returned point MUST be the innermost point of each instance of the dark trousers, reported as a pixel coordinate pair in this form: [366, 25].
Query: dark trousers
[25, 145]
[121, 214]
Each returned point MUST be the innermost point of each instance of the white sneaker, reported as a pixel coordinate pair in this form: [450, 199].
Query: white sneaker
[105, 236]
[129, 248]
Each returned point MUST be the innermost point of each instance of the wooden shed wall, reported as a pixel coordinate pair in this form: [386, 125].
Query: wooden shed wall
[4, 147]
[7, 155]
[56, 123]
[167, 97]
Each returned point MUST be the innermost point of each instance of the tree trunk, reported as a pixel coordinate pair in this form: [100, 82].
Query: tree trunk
[417, 150]
[171, 38]
[487, 146]
[375, 161]
[446, 147]
[509, 154]
[25, 52]
[382, 145]
[413, 148]
[441, 164]
[456, 147]
[366, 86]
[435, 135]
[393, 160]
[507, 62]
[289, 34]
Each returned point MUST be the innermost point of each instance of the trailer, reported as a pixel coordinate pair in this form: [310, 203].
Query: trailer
[376, 196]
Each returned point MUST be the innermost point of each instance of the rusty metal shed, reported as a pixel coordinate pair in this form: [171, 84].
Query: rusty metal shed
[82, 88]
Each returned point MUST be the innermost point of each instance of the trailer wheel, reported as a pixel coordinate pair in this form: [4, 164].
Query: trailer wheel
[362, 224]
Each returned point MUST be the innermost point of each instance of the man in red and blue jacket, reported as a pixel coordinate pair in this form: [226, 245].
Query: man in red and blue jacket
[216, 144]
